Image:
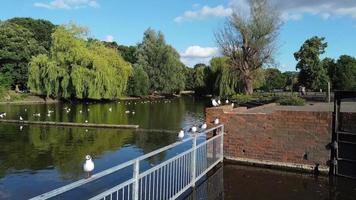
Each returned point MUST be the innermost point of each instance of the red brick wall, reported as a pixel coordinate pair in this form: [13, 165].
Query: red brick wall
[291, 137]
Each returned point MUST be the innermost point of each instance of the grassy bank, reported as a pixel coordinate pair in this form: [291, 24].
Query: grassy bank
[12, 97]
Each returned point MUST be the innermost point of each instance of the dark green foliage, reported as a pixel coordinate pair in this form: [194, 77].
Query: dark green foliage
[17, 46]
[128, 53]
[291, 80]
[345, 73]
[291, 101]
[41, 29]
[189, 78]
[274, 79]
[138, 82]
[161, 62]
[312, 74]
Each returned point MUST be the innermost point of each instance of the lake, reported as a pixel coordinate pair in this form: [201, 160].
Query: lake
[36, 159]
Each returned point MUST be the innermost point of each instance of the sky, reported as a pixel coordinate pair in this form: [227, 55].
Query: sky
[189, 25]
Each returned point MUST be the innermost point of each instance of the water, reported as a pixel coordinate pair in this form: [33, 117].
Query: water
[38, 159]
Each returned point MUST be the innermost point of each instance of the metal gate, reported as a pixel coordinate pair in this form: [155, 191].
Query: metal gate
[344, 135]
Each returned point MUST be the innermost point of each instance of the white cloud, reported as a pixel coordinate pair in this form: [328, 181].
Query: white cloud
[197, 54]
[109, 38]
[67, 4]
[203, 13]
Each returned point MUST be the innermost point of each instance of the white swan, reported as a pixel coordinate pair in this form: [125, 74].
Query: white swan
[181, 134]
[88, 165]
[204, 126]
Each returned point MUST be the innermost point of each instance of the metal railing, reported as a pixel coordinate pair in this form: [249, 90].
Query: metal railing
[167, 180]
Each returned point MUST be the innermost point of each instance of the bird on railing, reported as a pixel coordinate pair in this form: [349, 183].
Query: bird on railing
[88, 165]
[37, 114]
[203, 126]
[181, 134]
[2, 115]
[216, 121]
[194, 129]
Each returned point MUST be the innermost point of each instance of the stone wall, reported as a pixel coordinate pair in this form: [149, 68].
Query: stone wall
[292, 139]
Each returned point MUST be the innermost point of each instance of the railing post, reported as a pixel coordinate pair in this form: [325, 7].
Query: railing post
[193, 167]
[222, 143]
[136, 172]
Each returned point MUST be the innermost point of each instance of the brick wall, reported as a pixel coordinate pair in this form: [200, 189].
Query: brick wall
[294, 138]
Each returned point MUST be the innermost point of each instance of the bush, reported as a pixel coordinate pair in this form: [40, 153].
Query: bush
[291, 101]
[241, 98]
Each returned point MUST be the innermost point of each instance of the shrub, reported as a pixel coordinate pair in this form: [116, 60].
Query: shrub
[291, 101]
[241, 98]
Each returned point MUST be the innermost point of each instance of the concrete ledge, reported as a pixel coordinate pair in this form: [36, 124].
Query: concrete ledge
[324, 170]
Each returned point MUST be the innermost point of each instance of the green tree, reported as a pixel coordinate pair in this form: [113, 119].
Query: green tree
[274, 79]
[291, 80]
[345, 73]
[189, 78]
[77, 68]
[128, 53]
[138, 82]
[248, 40]
[226, 78]
[41, 29]
[17, 46]
[312, 74]
[161, 63]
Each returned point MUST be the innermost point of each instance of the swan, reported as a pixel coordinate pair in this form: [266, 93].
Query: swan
[216, 121]
[88, 165]
[204, 126]
[181, 134]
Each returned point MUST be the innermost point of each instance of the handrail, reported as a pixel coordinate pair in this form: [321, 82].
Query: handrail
[106, 172]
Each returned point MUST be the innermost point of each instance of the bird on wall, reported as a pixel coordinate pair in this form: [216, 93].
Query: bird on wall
[216, 121]
[214, 103]
[204, 126]
[194, 129]
[181, 134]
[88, 165]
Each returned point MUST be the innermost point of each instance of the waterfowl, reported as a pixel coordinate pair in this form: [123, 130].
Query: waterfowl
[37, 114]
[86, 121]
[127, 111]
[133, 112]
[216, 121]
[214, 103]
[219, 102]
[204, 126]
[227, 101]
[88, 166]
[21, 118]
[194, 129]
[21, 127]
[181, 134]
[110, 109]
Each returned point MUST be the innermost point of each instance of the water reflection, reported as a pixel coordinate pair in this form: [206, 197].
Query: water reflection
[35, 159]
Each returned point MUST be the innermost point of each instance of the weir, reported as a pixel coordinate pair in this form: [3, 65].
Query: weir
[170, 179]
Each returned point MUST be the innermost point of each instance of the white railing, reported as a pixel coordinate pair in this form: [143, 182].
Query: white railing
[167, 180]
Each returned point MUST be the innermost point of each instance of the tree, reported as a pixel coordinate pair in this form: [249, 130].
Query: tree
[161, 62]
[226, 78]
[41, 29]
[345, 73]
[77, 68]
[189, 78]
[138, 82]
[291, 80]
[17, 46]
[128, 53]
[249, 41]
[312, 74]
[274, 79]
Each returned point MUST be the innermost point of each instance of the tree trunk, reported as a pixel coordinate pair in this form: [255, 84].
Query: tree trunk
[247, 84]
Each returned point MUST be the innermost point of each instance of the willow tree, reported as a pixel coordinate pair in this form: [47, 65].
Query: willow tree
[77, 68]
[248, 40]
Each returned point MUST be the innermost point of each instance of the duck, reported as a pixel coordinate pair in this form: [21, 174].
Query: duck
[214, 103]
[204, 126]
[216, 121]
[88, 166]
[181, 134]
[194, 129]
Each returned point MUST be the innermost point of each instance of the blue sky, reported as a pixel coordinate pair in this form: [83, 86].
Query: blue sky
[189, 25]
